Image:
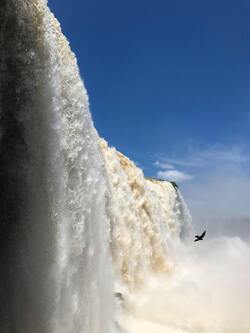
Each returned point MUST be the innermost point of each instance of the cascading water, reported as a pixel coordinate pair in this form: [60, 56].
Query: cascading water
[149, 220]
[147, 217]
[54, 248]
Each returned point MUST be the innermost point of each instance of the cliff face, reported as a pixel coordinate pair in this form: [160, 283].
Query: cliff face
[146, 217]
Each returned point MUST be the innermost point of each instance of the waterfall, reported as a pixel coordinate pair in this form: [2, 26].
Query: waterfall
[54, 248]
[78, 219]
[147, 217]
[150, 223]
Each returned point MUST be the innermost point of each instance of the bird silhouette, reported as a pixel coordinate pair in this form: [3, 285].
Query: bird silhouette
[199, 238]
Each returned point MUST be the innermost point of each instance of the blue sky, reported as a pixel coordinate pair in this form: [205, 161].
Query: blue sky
[168, 81]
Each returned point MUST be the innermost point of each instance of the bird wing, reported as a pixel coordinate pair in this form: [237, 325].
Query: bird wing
[204, 233]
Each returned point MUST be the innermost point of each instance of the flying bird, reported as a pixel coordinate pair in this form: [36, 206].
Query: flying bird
[199, 238]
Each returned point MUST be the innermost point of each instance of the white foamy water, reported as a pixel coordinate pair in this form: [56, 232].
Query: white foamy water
[147, 218]
[56, 268]
[79, 222]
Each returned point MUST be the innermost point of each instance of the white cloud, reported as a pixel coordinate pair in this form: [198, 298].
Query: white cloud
[174, 175]
[210, 156]
[164, 165]
[234, 154]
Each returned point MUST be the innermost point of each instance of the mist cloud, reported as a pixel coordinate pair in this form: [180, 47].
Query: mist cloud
[173, 175]
[208, 291]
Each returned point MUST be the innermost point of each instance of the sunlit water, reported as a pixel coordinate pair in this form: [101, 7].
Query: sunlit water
[79, 222]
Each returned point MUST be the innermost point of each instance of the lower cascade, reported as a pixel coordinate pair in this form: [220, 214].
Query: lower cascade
[87, 243]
